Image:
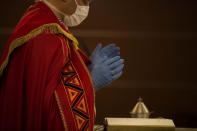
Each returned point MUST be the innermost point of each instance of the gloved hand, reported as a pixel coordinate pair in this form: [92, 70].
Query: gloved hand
[98, 54]
[96, 57]
[110, 51]
[106, 70]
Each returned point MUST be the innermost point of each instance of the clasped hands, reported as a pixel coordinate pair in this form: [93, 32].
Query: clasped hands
[106, 65]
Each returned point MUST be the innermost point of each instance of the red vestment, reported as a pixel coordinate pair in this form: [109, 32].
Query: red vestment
[45, 84]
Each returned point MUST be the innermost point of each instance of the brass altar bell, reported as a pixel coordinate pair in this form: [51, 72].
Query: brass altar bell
[140, 110]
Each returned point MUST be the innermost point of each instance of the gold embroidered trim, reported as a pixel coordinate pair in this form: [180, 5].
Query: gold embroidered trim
[53, 27]
[91, 80]
[61, 111]
[69, 102]
[85, 67]
[81, 83]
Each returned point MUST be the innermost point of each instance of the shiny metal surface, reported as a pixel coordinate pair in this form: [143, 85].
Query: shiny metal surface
[140, 110]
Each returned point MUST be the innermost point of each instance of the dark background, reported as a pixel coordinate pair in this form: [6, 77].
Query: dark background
[158, 40]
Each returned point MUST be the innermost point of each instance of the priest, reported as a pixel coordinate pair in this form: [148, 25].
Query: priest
[46, 81]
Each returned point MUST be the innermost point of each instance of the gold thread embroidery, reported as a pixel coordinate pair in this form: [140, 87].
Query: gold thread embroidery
[84, 91]
[69, 104]
[92, 82]
[82, 87]
[53, 27]
[61, 111]
[89, 77]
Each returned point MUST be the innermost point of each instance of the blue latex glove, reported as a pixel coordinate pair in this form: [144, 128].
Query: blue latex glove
[106, 71]
[99, 54]
[96, 57]
[110, 51]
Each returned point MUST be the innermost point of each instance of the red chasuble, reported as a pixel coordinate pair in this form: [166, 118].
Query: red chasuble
[45, 84]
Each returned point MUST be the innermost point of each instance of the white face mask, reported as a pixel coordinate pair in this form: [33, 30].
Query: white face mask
[76, 18]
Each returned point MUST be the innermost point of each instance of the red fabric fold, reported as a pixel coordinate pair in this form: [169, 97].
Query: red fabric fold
[32, 76]
[34, 93]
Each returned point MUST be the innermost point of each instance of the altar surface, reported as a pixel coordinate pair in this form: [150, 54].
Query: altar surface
[101, 128]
